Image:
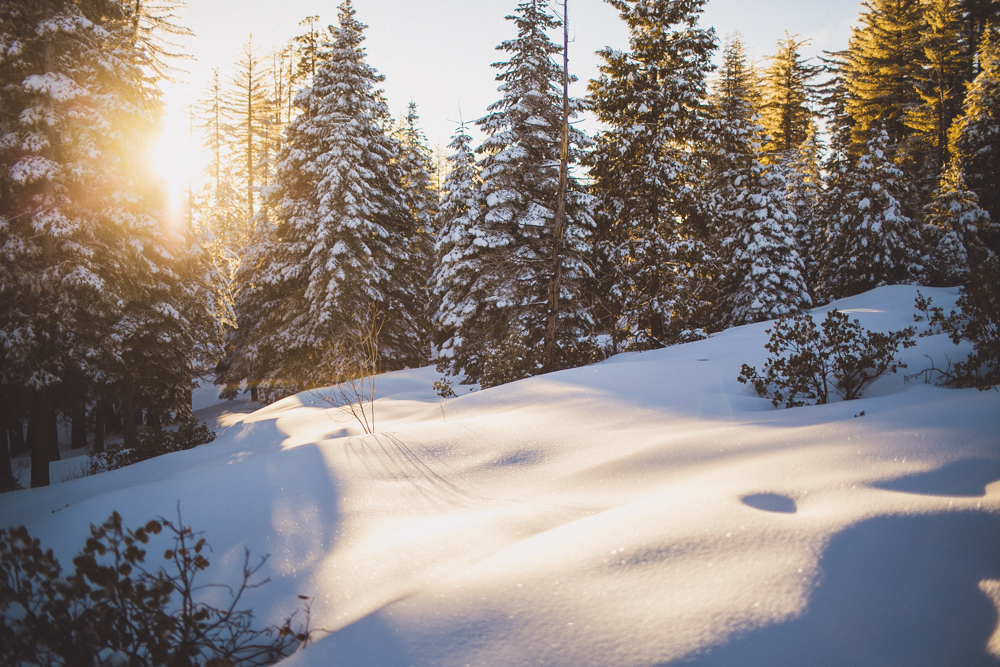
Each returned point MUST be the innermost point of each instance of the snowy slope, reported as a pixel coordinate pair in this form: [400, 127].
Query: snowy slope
[648, 510]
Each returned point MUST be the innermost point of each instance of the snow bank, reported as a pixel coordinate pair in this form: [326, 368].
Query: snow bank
[648, 510]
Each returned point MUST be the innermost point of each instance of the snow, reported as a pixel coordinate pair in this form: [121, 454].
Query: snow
[647, 510]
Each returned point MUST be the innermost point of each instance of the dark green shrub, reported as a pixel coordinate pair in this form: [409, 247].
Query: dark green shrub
[112, 610]
[977, 321]
[808, 365]
[513, 360]
[151, 444]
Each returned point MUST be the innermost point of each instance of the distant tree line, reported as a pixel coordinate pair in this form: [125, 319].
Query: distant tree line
[714, 196]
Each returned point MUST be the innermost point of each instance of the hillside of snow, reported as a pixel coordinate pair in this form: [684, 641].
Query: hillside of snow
[647, 510]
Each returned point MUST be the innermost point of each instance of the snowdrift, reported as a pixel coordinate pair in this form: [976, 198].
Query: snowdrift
[648, 510]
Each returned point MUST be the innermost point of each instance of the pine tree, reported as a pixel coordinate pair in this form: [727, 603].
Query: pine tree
[87, 258]
[520, 183]
[953, 222]
[646, 166]
[333, 269]
[249, 109]
[975, 135]
[762, 273]
[804, 191]
[871, 241]
[939, 83]
[460, 249]
[787, 116]
[415, 167]
[767, 274]
[881, 65]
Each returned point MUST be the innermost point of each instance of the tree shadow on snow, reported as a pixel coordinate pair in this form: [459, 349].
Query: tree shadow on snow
[967, 478]
[893, 591]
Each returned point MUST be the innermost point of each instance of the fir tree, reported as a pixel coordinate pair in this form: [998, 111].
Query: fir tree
[646, 166]
[787, 116]
[456, 284]
[975, 135]
[939, 83]
[953, 222]
[87, 260]
[762, 273]
[804, 192]
[415, 166]
[767, 274]
[333, 267]
[520, 182]
[871, 241]
[880, 68]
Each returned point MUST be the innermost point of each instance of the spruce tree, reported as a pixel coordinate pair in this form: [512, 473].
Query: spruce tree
[520, 183]
[881, 65]
[953, 222]
[939, 83]
[415, 167]
[788, 118]
[457, 287]
[332, 271]
[91, 267]
[975, 135]
[646, 168]
[761, 271]
[870, 239]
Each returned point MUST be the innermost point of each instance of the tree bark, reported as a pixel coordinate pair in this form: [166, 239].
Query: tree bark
[16, 434]
[130, 433]
[99, 412]
[153, 421]
[6, 472]
[78, 432]
[555, 285]
[37, 443]
[52, 426]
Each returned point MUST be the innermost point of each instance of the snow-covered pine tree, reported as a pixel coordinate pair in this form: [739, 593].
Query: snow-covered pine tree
[416, 167]
[953, 221]
[870, 239]
[766, 278]
[645, 168]
[456, 284]
[85, 248]
[334, 269]
[520, 182]
[803, 190]
[762, 273]
[975, 135]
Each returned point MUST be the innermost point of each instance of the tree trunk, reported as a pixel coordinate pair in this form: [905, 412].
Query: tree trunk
[37, 442]
[52, 426]
[559, 221]
[6, 473]
[99, 412]
[130, 433]
[16, 434]
[111, 422]
[78, 432]
[153, 422]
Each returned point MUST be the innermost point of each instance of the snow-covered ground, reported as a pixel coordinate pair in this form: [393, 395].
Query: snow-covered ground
[648, 510]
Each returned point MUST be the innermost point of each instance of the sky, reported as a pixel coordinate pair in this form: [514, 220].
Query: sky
[438, 54]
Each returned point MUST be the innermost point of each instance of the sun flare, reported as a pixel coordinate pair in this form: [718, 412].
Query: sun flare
[177, 159]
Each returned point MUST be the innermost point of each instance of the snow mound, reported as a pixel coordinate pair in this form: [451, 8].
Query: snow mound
[648, 510]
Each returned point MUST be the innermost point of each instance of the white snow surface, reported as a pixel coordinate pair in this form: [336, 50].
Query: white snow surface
[648, 510]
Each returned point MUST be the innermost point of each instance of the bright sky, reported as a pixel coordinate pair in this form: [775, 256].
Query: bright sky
[438, 54]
